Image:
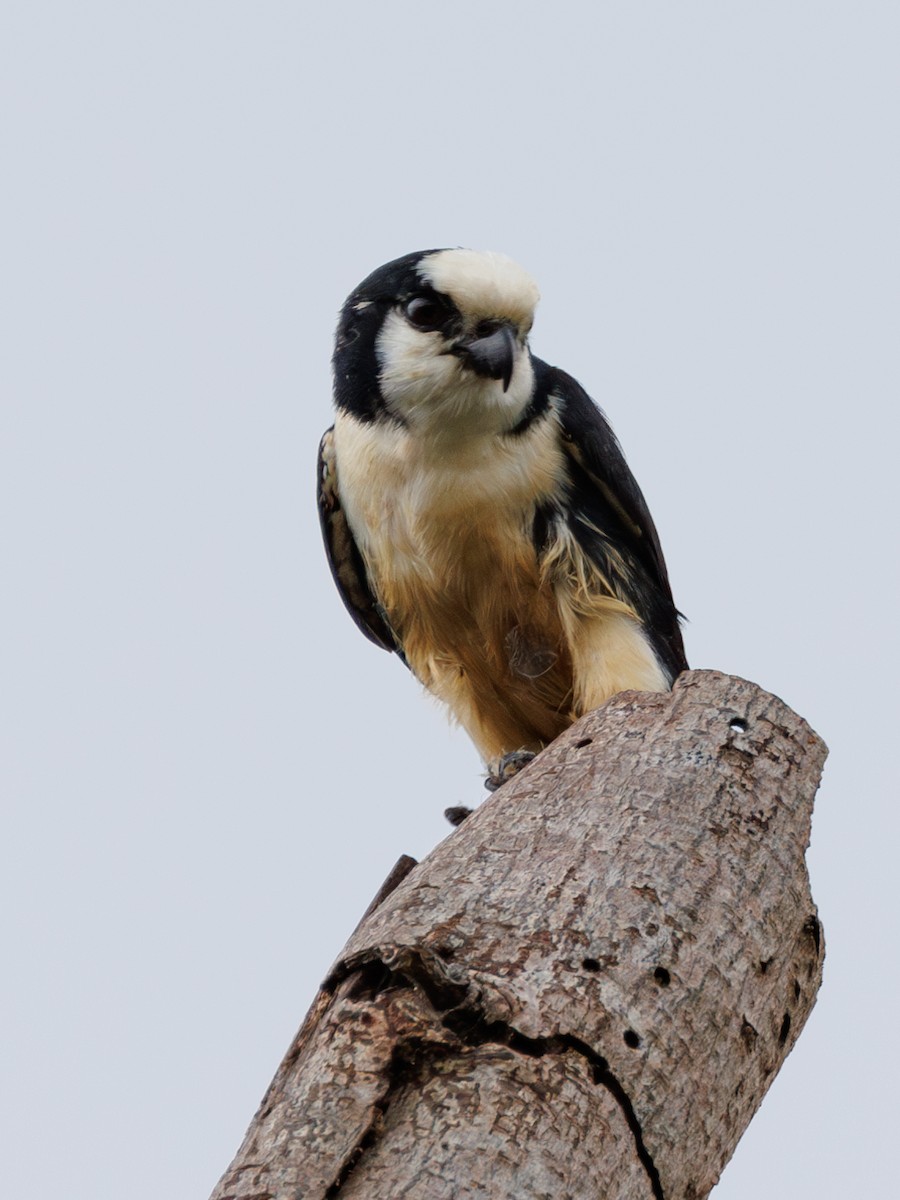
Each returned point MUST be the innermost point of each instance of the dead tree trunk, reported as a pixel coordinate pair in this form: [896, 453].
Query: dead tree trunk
[584, 991]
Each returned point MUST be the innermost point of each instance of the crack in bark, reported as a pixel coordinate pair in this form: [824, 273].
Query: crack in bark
[462, 1014]
[402, 1068]
[502, 1034]
[368, 1138]
[604, 1076]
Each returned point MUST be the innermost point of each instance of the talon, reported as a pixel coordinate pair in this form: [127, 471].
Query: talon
[505, 767]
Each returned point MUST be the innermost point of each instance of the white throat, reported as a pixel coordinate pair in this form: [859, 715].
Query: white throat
[436, 396]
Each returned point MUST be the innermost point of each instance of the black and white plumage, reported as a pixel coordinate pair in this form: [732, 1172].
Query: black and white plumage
[478, 513]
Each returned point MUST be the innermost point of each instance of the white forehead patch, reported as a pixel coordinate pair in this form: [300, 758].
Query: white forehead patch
[482, 283]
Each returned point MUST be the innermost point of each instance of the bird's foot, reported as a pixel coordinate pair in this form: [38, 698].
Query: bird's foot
[457, 814]
[502, 769]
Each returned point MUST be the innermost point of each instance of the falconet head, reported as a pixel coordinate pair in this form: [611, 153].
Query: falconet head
[438, 342]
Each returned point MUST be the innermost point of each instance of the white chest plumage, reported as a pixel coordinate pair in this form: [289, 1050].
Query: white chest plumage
[444, 525]
[414, 504]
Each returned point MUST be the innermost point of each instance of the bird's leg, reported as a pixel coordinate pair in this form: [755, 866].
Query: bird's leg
[502, 769]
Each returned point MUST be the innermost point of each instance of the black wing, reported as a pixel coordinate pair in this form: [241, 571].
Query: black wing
[609, 517]
[344, 557]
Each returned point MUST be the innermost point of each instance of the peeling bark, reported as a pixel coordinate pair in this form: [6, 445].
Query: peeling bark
[585, 990]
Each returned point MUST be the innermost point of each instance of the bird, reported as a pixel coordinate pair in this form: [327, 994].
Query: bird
[478, 514]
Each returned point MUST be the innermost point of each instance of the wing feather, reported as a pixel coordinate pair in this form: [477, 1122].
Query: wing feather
[609, 517]
[344, 557]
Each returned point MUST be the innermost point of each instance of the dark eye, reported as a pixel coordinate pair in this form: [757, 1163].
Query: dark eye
[425, 312]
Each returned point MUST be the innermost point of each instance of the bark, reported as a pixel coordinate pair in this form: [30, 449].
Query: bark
[585, 990]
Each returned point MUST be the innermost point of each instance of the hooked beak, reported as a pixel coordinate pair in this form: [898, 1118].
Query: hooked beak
[491, 352]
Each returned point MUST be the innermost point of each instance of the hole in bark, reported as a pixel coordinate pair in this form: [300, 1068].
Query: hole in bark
[590, 964]
[631, 1039]
[798, 991]
[582, 742]
[738, 724]
[662, 976]
[785, 1029]
[447, 953]
[372, 979]
[764, 965]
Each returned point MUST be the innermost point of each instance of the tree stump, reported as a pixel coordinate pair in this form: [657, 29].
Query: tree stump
[585, 990]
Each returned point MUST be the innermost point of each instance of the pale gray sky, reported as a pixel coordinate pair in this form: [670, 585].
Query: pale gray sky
[207, 771]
